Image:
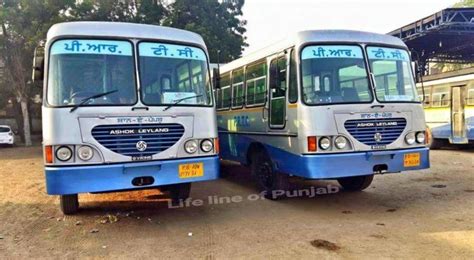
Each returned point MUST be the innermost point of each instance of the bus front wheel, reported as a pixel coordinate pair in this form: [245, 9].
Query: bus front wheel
[272, 183]
[356, 183]
[179, 192]
[69, 204]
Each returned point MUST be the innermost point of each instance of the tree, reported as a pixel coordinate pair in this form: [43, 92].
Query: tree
[134, 11]
[465, 3]
[219, 23]
[23, 23]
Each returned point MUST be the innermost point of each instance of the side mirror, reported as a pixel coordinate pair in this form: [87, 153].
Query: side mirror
[216, 78]
[38, 64]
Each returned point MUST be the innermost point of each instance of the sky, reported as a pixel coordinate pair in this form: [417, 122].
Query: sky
[269, 21]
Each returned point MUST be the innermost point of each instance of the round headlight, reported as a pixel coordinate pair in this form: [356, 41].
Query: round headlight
[324, 143]
[410, 138]
[420, 137]
[206, 145]
[340, 142]
[64, 153]
[191, 146]
[85, 153]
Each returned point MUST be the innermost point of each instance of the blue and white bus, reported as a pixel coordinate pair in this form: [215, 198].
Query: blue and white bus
[126, 106]
[449, 107]
[330, 104]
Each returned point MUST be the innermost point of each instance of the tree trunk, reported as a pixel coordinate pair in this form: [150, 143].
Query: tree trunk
[26, 121]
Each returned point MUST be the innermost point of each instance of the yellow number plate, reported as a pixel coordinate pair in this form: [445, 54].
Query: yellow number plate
[191, 170]
[411, 160]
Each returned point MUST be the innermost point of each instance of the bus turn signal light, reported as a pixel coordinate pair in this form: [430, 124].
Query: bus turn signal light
[216, 145]
[48, 153]
[312, 144]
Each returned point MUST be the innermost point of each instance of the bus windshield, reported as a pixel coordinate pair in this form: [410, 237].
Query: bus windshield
[393, 76]
[170, 73]
[79, 69]
[334, 74]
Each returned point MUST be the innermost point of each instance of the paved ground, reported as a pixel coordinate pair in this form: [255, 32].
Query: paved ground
[423, 214]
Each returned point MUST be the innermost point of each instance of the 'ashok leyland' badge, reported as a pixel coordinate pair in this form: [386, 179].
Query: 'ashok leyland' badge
[141, 146]
[377, 137]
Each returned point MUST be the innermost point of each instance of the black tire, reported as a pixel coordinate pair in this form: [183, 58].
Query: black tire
[273, 183]
[69, 204]
[179, 192]
[356, 183]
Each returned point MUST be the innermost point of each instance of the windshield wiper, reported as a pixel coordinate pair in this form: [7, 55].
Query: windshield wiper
[177, 101]
[87, 99]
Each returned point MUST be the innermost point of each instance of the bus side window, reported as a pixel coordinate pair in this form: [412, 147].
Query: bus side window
[470, 96]
[255, 78]
[441, 96]
[293, 82]
[237, 88]
[225, 91]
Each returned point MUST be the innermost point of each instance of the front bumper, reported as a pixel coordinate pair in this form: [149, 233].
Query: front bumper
[332, 166]
[115, 177]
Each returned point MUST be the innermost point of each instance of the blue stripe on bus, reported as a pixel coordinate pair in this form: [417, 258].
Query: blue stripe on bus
[116, 177]
[444, 131]
[322, 166]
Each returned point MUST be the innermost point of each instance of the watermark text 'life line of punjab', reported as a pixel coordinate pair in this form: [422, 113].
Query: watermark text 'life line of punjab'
[309, 192]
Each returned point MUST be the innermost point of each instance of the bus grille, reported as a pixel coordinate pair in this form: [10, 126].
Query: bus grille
[138, 139]
[376, 131]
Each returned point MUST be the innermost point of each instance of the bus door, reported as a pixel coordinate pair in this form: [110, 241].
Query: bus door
[458, 121]
[277, 93]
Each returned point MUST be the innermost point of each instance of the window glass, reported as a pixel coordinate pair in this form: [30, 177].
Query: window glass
[293, 83]
[470, 96]
[426, 99]
[225, 90]
[256, 83]
[278, 91]
[170, 72]
[392, 70]
[79, 69]
[441, 96]
[4, 129]
[334, 74]
[238, 88]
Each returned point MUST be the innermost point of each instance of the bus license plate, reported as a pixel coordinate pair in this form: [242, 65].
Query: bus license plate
[191, 170]
[411, 160]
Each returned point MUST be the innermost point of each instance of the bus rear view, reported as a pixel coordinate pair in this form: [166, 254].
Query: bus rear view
[126, 107]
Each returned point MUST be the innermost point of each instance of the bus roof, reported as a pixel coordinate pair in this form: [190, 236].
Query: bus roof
[315, 36]
[123, 30]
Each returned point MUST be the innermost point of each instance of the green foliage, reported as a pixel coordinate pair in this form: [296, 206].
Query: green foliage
[465, 3]
[219, 23]
[134, 11]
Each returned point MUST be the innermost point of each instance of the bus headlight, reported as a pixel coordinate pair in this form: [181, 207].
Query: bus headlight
[64, 153]
[420, 137]
[410, 138]
[324, 143]
[206, 145]
[340, 142]
[191, 146]
[85, 153]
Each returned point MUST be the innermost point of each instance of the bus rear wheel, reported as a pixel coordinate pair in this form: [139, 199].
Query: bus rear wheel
[69, 204]
[179, 192]
[272, 183]
[356, 183]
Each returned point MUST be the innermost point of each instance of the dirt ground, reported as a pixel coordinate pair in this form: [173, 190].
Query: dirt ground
[422, 214]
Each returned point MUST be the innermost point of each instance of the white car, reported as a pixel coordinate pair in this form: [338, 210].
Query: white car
[6, 135]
